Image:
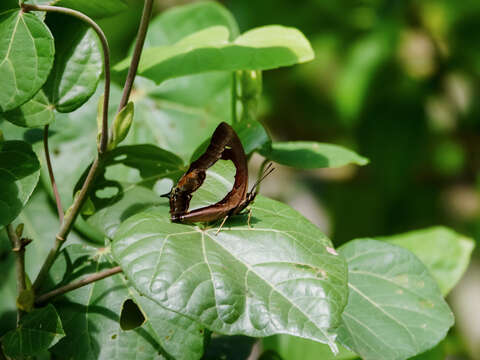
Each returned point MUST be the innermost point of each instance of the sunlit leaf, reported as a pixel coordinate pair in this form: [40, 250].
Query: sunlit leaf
[311, 155]
[26, 57]
[395, 309]
[36, 112]
[445, 253]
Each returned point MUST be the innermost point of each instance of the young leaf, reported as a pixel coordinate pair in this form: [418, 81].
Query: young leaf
[395, 309]
[38, 331]
[311, 155]
[207, 50]
[445, 253]
[19, 173]
[98, 307]
[78, 63]
[121, 125]
[36, 112]
[277, 277]
[26, 57]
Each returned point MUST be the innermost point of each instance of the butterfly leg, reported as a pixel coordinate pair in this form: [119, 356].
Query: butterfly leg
[221, 225]
[249, 217]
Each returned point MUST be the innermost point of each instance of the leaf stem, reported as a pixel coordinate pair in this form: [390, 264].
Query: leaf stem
[234, 97]
[51, 175]
[19, 249]
[132, 71]
[77, 284]
[106, 58]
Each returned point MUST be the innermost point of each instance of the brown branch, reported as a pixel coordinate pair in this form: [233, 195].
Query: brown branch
[132, 71]
[52, 177]
[19, 249]
[77, 284]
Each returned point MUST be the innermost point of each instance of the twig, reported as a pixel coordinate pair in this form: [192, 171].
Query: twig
[234, 98]
[52, 177]
[78, 283]
[106, 59]
[132, 71]
[19, 250]
[74, 210]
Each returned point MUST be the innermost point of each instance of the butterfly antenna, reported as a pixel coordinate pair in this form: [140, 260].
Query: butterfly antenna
[267, 171]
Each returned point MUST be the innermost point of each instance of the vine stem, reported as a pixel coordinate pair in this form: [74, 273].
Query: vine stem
[137, 52]
[78, 283]
[106, 59]
[234, 97]
[51, 175]
[19, 250]
[74, 209]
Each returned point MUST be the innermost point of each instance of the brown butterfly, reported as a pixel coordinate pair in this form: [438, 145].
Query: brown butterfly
[224, 145]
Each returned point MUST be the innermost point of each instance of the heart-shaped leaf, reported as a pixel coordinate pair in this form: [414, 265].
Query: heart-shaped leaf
[38, 331]
[19, 173]
[445, 253]
[78, 63]
[395, 309]
[26, 57]
[36, 112]
[311, 155]
[207, 50]
[281, 276]
[95, 310]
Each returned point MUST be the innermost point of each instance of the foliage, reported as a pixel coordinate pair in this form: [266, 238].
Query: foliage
[190, 291]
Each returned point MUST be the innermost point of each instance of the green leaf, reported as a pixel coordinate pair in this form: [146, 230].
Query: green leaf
[91, 316]
[36, 112]
[291, 347]
[395, 309]
[281, 276]
[38, 331]
[19, 173]
[207, 50]
[311, 155]
[78, 63]
[92, 8]
[26, 57]
[445, 253]
[180, 21]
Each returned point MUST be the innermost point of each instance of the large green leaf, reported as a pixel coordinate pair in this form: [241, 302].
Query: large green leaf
[91, 316]
[445, 253]
[395, 309]
[36, 112]
[291, 347]
[19, 173]
[311, 155]
[281, 276]
[93, 8]
[26, 57]
[38, 331]
[207, 50]
[78, 63]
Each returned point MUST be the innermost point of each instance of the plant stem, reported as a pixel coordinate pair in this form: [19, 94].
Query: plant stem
[68, 222]
[132, 71]
[52, 177]
[234, 97]
[74, 209]
[106, 59]
[19, 250]
[78, 283]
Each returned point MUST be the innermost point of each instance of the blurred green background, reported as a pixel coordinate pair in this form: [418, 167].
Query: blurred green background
[397, 81]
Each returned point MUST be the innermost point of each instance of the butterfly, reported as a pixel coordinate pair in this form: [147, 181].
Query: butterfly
[226, 145]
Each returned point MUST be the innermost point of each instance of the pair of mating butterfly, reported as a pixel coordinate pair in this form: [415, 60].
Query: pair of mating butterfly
[224, 145]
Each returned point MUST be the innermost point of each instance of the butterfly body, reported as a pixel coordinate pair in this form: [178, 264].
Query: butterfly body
[225, 144]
